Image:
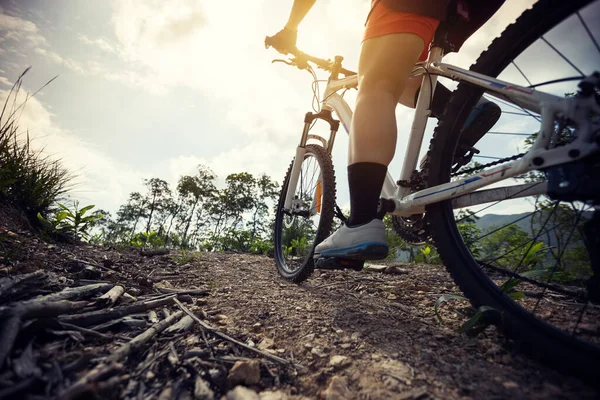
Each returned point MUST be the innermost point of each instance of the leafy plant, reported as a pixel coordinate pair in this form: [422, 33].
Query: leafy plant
[70, 220]
[150, 239]
[478, 318]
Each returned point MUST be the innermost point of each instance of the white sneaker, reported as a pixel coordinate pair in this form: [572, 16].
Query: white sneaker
[363, 242]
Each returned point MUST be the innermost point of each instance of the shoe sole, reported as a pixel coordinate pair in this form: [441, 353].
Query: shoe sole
[363, 251]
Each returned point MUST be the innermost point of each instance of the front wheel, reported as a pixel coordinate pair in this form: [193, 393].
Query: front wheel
[528, 258]
[308, 222]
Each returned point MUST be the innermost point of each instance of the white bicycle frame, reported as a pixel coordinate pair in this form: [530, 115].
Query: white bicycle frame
[464, 192]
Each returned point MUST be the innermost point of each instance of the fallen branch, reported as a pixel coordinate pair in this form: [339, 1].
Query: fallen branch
[100, 316]
[109, 298]
[192, 292]
[75, 293]
[144, 337]
[38, 309]
[6, 284]
[10, 391]
[232, 340]
[90, 332]
[88, 381]
[183, 325]
[9, 329]
[152, 253]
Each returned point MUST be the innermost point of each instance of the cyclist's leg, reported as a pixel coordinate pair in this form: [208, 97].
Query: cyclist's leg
[384, 68]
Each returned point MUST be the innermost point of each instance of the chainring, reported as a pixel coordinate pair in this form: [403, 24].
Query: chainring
[413, 229]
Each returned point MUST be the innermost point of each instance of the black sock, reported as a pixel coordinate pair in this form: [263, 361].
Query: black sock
[365, 180]
[441, 97]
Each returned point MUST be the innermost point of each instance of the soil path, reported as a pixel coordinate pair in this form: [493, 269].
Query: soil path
[357, 335]
[382, 325]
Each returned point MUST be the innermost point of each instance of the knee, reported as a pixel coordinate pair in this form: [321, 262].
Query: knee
[378, 84]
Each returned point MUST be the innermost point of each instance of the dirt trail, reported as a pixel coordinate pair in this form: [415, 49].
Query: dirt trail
[357, 335]
[383, 323]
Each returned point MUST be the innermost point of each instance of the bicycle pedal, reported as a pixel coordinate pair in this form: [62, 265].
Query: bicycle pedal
[339, 263]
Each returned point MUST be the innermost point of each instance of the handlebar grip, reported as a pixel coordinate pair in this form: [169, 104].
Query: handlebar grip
[268, 41]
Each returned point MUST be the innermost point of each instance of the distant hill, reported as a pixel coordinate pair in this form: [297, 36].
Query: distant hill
[497, 220]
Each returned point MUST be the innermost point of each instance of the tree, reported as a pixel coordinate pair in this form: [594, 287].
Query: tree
[158, 192]
[195, 191]
[267, 191]
[131, 212]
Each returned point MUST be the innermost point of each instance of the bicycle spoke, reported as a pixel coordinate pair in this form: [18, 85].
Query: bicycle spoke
[588, 32]
[521, 72]
[562, 56]
[555, 81]
[558, 260]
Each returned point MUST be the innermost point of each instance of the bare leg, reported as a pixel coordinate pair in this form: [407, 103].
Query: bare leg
[384, 68]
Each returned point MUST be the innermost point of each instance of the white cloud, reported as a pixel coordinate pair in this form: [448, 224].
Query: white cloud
[256, 158]
[98, 178]
[101, 43]
[18, 29]
[5, 81]
[55, 57]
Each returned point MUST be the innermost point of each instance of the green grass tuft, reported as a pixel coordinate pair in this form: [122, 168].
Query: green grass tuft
[29, 180]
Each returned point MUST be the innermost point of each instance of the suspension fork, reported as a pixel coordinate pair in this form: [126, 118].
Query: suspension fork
[325, 115]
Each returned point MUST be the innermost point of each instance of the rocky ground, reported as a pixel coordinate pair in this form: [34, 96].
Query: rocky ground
[80, 321]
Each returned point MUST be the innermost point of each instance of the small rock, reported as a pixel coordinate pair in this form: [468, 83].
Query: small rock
[392, 296]
[265, 344]
[355, 336]
[510, 385]
[345, 345]
[376, 356]
[90, 272]
[202, 391]
[339, 361]
[269, 395]
[244, 372]
[397, 369]
[337, 389]
[339, 332]
[393, 269]
[257, 326]
[166, 394]
[319, 352]
[241, 393]
[375, 267]
[412, 394]
[222, 319]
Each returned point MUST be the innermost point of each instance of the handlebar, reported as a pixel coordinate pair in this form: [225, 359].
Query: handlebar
[301, 60]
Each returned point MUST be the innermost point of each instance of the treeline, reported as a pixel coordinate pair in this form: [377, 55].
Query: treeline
[195, 215]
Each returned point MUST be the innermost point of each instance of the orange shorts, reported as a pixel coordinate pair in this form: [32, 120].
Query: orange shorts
[384, 21]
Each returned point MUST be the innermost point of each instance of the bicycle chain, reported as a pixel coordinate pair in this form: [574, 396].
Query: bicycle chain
[490, 164]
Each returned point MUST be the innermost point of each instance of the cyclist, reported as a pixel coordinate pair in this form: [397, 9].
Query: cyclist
[397, 35]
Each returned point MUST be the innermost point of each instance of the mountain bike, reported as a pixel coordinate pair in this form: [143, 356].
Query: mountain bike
[540, 275]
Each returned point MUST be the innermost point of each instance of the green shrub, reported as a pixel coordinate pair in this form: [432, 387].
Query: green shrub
[70, 220]
[29, 180]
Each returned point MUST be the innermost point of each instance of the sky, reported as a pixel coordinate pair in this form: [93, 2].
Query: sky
[151, 88]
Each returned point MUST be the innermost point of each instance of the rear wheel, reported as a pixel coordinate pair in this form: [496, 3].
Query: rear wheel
[533, 260]
[309, 221]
